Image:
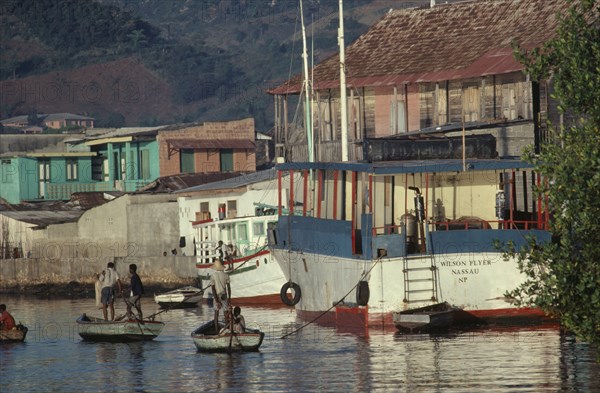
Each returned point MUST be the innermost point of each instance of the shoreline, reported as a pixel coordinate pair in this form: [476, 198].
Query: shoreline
[74, 289]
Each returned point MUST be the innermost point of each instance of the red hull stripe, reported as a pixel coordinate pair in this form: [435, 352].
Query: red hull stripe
[360, 317]
[238, 260]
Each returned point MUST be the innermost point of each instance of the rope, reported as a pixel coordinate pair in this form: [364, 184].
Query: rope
[335, 304]
[151, 316]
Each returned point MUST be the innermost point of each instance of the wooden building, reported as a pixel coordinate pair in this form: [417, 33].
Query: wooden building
[430, 71]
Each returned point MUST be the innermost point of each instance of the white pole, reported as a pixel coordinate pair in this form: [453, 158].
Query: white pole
[307, 106]
[343, 104]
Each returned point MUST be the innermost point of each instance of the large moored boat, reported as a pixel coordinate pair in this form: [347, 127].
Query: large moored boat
[370, 239]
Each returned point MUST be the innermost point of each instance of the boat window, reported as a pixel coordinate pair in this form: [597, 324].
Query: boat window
[258, 228]
[231, 209]
[242, 232]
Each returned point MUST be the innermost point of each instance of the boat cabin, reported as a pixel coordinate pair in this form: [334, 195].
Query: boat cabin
[403, 208]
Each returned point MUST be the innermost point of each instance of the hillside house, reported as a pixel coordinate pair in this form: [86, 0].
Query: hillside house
[430, 71]
[53, 120]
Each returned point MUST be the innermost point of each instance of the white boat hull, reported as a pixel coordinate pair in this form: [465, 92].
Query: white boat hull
[254, 280]
[180, 298]
[475, 283]
[95, 329]
[206, 341]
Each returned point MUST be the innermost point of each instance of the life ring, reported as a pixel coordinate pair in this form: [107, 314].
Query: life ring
[284, 295]
[362, 293]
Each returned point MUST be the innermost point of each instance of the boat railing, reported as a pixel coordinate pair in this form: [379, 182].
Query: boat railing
[207, 250]
[449, 225]
[475, 224]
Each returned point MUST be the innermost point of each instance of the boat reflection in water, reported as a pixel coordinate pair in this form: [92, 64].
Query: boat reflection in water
[315, 358]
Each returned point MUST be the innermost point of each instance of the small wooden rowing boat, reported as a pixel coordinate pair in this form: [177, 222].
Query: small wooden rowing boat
[180, 298]
[14, 335]
[206, 339]
[435, 316]
[97, 329]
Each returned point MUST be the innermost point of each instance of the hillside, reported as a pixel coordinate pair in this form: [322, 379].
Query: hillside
[156, 61]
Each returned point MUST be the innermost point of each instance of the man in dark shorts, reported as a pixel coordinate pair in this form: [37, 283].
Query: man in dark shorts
[137, 290]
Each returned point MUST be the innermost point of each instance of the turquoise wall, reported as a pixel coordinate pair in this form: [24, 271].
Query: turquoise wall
[20, 178]
[10, 186]
[131, 151]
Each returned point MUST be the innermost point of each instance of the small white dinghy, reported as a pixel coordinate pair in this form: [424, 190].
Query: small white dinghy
[180, 298]
[206, 339]
[96, 329]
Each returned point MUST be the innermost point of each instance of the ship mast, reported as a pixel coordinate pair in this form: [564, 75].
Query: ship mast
[343, 104]
[307, 90]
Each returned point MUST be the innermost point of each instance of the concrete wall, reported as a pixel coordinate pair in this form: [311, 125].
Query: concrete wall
[29, 271]
[134, 226]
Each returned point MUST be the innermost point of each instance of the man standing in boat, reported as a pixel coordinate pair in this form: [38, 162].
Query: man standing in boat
[137, 290]
[221, 290]
[109, 278]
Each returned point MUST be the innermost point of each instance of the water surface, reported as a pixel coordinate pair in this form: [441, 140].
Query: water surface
[54, 358]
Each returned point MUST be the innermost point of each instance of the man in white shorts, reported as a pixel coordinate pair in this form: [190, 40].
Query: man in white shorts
[109, 278]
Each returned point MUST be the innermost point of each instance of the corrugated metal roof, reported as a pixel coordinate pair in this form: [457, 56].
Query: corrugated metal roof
[128, 131]
[236, 182]
[45, 213]
[211, 143]
[174, 183]
[43, 218]
[446, 42]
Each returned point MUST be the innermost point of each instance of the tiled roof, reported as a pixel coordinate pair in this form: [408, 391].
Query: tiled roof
[446, 42]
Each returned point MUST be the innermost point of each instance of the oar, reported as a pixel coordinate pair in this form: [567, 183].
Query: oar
[129, 304]
[230, 326]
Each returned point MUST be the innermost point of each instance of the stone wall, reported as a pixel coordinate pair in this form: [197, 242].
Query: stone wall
[152, 270]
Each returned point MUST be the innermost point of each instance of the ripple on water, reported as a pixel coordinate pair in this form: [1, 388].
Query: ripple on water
[315, 359]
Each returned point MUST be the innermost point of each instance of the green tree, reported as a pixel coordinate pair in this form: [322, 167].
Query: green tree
[564, 275]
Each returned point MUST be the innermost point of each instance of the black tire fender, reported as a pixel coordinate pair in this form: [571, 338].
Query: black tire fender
[362, 293]
[284, 296]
